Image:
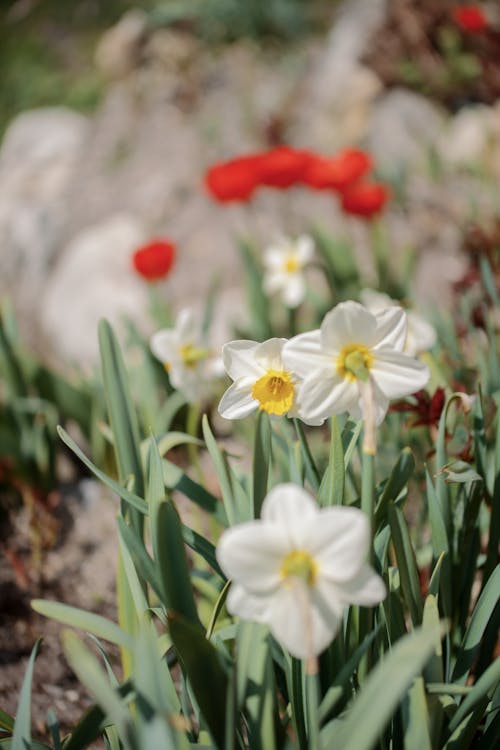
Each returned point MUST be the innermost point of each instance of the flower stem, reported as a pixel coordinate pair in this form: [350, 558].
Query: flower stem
[292, 321]
[312, 704]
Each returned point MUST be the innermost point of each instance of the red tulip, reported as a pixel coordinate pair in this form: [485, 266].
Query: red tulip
[283, 166]
[365, 199]
[154, 260]
[470, 18]
[338, 171]
[233, 180]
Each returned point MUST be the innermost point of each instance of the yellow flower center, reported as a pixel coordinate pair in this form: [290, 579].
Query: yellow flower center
[300, 564]
[291, 263]
[191, 355]
[354, 362]
[274, 391]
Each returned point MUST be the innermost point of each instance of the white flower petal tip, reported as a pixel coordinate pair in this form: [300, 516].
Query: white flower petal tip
[284, 269]
[354, 347]
[298, 567]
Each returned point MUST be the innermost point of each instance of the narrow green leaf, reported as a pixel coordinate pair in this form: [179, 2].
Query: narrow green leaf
[93, 722]
[434, 668]
[90, 673]
[416, 718]
[79, 618]
[261, 461]
[405, 557]
[331, 489]
[480, 617]
[258, 302]
[6, 721]
[384, 688]
[173, 565]
[487, 683]
[203, 547]
[21, 737]
[310, 466]
[122, 416]
[139, 554]
[221, 469]
[221, 600]
[130, 497]
[176, 479]
[206, 674]
[396, 482]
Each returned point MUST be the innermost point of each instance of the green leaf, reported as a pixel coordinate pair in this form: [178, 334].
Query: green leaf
[479, 620]
[140, 557]
[93, 722]
[173, 439]
[6, 721]
[122, 416]
[173, 565]
[90, 673]
[203, 547]
[384, 688]
[405, 556]
[261, 461]
[206, 674]
[331, 489]
[21, 737]
[396, 482]
[176, 479]
[130, 497]
[488, 681]
[311, 468]
[221, 600]
[79, 618]
[416, 718]
[221, 469]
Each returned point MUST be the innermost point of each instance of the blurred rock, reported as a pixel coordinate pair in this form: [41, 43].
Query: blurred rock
[94, 279]
[120, 48]
[404, 127]
[471, 137]
[38, 157]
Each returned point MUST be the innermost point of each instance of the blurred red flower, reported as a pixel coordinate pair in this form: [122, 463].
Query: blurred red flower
[233, 180]
[470, 18]
[365, 199]
[427, 409]
[283, 166]
[338, 171]
[154, 260]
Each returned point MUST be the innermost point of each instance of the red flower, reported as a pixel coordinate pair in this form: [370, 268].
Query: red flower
[233, 180]
[365, 198]
[470, 18]
[154, 260]
[283, 166]
[427, 409]
[339, 171]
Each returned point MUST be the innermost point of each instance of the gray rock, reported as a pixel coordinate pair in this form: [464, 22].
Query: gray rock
[37, 161]
[403, 128]
[94, 279]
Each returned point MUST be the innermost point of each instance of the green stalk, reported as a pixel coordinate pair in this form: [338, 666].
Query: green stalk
[312, 704]
[192, 422]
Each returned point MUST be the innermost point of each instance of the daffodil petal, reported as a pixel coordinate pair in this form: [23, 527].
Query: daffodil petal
[391, 329]
[252, 553]
[338, 539]
[294, 290]
[305, 248]
[242, 603]
[187, 326]
[288, 506]
[421, 335]
[322, 395]
[301, 620]
[164, 345]
[366, 588]
[268, 354]
[237, 402]
[239, 359]
[348, 323]
[398, 375]
[303, 354]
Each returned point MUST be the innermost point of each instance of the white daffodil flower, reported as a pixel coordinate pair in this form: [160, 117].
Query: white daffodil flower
[298, 567]
[284, 263]
[191, 366]
[420, 335]
[260, 381]
[354, 353]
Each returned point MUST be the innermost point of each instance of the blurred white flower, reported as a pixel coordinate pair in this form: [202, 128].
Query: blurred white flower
[191, 366]
[420, 334]
[298, 567]
[260, 380]
[284, 263]
[354, 353]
